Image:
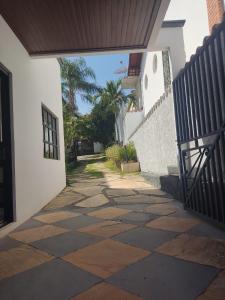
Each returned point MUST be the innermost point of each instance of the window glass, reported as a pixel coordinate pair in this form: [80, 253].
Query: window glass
[50, 141]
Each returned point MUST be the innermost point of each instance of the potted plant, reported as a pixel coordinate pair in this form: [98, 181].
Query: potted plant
[128, 156]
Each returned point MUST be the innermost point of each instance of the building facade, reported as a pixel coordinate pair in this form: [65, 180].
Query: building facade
[34, 113]
[185, 26]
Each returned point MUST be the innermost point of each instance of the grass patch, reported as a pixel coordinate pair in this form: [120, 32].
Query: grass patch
[91, 170]
[109, 164]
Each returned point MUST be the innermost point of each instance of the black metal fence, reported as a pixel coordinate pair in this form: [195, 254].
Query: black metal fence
[199, 97]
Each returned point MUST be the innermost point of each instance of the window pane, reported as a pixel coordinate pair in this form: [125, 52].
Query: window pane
[54, 123]
[45, 116]
[55, 152]
[50, 141]
[54, 138]
[51, 151]
[46, 134]
[50, 136]
[49, 120]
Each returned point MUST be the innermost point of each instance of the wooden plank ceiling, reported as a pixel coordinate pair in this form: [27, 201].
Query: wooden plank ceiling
[74, 26]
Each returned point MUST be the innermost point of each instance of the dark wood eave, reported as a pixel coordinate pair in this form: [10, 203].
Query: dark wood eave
[78, 26]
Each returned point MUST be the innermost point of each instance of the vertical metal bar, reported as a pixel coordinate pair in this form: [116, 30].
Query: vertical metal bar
[209, 90]
[215, 187]
[179, 102]
[220, 75]
[222, 65]
[206, 193]
[184, 102]
[199, 96]
[189, 115]
[211, 191]
[205, 97]
[220, 183]
[196, 104]
[193, 113]
[215, 89]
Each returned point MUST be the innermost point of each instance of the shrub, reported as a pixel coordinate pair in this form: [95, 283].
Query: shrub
[128, 153]
[113, 153]
[117, 153]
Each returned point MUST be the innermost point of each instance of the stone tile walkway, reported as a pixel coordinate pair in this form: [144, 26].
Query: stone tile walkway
[113, 238]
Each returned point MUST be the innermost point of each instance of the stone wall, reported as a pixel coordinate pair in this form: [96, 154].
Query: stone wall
[155, 140]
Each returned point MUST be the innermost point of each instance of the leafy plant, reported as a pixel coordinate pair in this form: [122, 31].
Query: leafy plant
[128, 153]
[118, 153]
[113, 153]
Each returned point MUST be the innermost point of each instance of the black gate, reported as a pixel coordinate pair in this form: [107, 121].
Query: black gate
[199, 97]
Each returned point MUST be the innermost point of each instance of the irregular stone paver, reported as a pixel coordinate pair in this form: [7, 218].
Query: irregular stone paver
[63, 244]
[136, 217]
[20, 259]
[7, 243]
[119, 192]
[134, 207]
[201, 250]
[78, 222]
[89, 191]
[94, 201]
[106, 257]
[109, 213]
[152, 191]
[64, 200]
[145, 238]
[133, 199]
[37, 233]
[216, 290]
[105, 291]
[54, 280]
[173, 223]
[107, 229]
[126, 184]
[56, 216]
[180, 268]
[160, 209]
[160, 277]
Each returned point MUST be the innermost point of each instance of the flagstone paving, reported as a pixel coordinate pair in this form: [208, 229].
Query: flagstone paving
[112, 238]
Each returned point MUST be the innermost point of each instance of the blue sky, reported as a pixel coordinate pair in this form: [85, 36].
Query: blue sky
[104, 67]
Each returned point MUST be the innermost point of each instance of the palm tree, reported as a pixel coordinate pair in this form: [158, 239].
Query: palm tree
[76, 76]
[115, 98]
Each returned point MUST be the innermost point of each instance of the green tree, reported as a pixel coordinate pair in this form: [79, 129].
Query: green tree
[103, 123]
[114, 98]
[77, 77]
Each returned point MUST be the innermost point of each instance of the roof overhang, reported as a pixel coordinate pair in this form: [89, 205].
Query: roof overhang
[60, 27]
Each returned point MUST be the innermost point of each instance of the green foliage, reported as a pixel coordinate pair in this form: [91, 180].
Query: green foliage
[118, 153]
[77, 77]
[113, 153]
[128, 153]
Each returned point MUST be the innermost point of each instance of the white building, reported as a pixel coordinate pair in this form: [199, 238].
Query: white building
[152, 128]
[36, 94]
[33, 34]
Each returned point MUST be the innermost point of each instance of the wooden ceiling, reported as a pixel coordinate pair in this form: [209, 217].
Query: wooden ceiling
[76, 26]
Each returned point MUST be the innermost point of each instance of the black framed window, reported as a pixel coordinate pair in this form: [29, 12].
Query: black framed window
[50, 134]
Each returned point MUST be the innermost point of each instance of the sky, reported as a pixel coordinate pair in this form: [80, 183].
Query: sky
[104, 67]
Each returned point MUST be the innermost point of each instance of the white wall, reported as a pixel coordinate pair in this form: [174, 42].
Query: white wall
[155, 88]
[196, 26]
[98, 147]
[132, 120]
[35, 81]
[155, 140]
